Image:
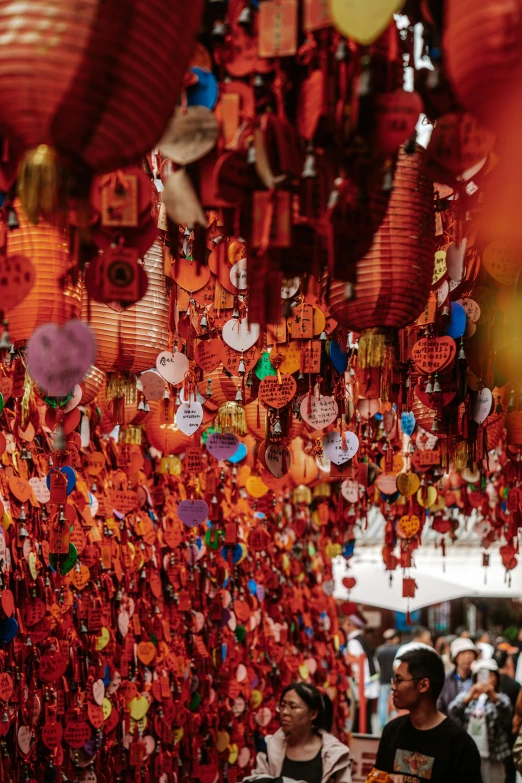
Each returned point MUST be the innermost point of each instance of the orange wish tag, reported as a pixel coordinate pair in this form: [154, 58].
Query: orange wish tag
[277, 28]
[316, 15]
[227, 112]
[119, 202]
[301, 322]
[60, 536]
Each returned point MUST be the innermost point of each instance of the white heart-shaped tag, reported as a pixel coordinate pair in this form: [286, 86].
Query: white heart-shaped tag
[25, 739]
[368, 408]
[172, 366]
[239, 334]
[319, 413]
[40, 489]
[455, 255]
[333, 447]
[238, 274]
[482, 406]
[98, 692]
[350, 490]
[189, 417]
[277, 460]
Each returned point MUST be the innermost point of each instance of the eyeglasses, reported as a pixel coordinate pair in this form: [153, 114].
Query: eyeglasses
[284, 706]
[399, 680]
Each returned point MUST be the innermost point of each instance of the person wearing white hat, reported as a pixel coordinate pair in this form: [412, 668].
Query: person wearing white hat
[486, 715]
[463, 653]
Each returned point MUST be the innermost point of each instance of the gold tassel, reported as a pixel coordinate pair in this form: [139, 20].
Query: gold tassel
[26, 401]
[231, 418]
[38, 182]
[372, 348]
[131, 435]
[121, 384]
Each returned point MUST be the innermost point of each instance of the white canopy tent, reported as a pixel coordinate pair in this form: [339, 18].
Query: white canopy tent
[459, 575]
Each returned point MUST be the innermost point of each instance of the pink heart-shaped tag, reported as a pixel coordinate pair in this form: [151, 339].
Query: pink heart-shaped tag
[333, 447]
[172, 366]
[192, 512]
[59, 356]
[319, 413]
[222, 446]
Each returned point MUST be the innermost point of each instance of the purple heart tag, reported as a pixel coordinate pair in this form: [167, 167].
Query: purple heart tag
[222, 446]
[59, 356]
[192, 512]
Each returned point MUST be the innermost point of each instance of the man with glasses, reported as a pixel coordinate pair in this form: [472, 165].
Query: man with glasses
[424, 744]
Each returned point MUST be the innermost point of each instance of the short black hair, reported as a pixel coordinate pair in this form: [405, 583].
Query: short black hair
[315, 700]
[419, 630]
[501, 657]
[426, 664]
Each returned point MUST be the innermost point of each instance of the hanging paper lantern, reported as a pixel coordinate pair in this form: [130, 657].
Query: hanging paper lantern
[129, 341]
[394, 277]
[165, 436]
[92, 383]
[303, 467]
[53, 298]
[89, 87]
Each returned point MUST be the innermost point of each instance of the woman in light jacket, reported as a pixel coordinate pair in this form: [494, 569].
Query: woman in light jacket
[303, 749]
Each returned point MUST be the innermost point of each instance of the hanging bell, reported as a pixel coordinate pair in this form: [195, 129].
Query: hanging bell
[340, 52]
[387, 182]
[309, 171]
[146, 407]
[5, 342]
[445, 312]
[12, 219]
[235, 312]
[276, 426]
[462, 354]
[61, 518]
[435, 426]
[239, 395]
[208, 392]
[322, 336]
[23, 531]
[251, 155]
[245, 17]
[436, 386]
[143, 574]
[249, 380]
[241, 369]
[23, 516]
[407, 382]
[83, 627]
[203, 324]
[141, 405]
[94, 487]
[24, 454]
[429, 386]
[499, 407]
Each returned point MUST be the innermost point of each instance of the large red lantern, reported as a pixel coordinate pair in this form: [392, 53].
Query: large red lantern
[394, 277]
[91, 84]
[54, 297]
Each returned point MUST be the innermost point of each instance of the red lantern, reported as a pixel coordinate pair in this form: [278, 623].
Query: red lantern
[53, 297]
[394, 277]
[95, 83]
[130, 341]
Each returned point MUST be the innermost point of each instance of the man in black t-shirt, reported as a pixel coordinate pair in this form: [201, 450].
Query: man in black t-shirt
[425, 744]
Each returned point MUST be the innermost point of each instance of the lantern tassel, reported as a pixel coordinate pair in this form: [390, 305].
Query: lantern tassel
[38, 182]
[372, 348]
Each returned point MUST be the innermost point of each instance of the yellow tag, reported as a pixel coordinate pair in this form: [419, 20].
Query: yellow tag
[429, 500]
[256, 487]
[222, 741]
[103, 639]
[304, 672]
[256, 699]
[234, 753]
[178, 735]
[439, 268]
[107, 708]
[333, 550]
[32, 562]
[139, 707]
[363, 20]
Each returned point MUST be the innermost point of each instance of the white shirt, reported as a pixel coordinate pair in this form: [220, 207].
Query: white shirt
[371, 685]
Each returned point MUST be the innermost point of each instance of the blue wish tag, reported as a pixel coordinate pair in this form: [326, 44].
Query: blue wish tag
[70, 475]
[457, 323]
[205, 91]
[8, 630]
[239, 455]
[407, 422]
[338, 357]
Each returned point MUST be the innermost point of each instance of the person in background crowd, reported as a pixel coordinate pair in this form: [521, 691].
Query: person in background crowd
[356, 644]
[462, 632]
[442, 647]
[486, 715]
[425, 744]
[422, 635]
[385, 656]
[463, 654]
[511, 688]
[303, 749]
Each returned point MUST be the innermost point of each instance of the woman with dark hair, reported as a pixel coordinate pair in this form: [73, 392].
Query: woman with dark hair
[486, 715]
[303, 749]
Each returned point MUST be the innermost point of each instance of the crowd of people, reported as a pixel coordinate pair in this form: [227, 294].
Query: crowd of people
[477, 684]
[449, 712]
